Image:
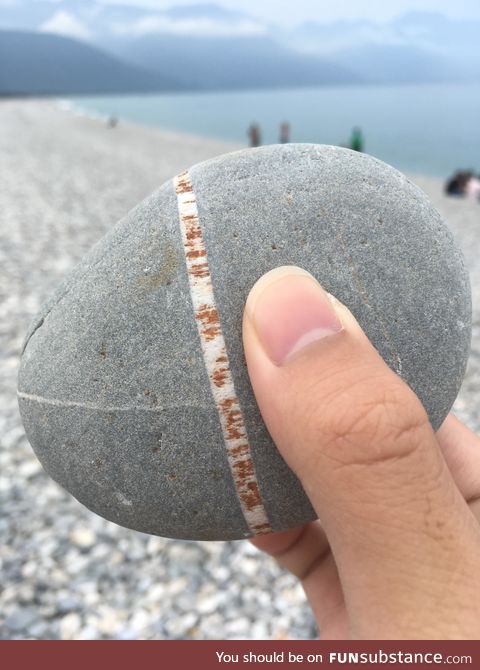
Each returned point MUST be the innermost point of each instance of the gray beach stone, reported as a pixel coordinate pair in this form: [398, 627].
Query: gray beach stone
[113, 389]
[21, 619]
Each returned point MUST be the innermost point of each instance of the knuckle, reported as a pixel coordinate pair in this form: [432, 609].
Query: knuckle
[376, 419]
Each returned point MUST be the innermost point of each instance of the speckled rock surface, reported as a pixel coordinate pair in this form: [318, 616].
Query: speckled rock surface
[114, 393]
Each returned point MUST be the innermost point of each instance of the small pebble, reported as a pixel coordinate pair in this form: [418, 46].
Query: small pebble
[21, 619]
[70, 626]
[83, 537]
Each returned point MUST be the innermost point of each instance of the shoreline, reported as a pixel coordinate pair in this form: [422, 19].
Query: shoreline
[62, 116]
[408, 139]
[72, 106]
[66, 106]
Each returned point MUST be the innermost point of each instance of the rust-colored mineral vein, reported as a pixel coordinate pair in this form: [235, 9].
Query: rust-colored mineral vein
[216, 360]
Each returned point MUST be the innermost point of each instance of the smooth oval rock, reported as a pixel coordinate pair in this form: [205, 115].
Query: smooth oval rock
[133, 387]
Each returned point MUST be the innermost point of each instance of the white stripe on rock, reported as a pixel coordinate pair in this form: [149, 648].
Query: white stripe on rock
[216, 360]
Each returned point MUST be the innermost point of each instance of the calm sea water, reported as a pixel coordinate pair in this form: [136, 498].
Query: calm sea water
[429, 129]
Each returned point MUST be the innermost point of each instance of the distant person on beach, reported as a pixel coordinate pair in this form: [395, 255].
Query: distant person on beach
[463, 183]
[284, 133]
[356, 139]
[254, 135]
[112, 122]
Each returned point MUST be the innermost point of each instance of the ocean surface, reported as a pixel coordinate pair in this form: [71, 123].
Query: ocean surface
[426, 129]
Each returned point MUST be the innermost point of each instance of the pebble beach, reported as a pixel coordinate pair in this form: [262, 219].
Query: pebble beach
[65, 573]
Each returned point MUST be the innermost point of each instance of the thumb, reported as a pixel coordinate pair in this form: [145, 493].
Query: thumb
[362, 446]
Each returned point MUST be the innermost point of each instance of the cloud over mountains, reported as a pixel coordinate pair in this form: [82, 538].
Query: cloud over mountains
[92, 18]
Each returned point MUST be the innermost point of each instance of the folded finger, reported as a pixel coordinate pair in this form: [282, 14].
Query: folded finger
[461, 450]
[305, 552]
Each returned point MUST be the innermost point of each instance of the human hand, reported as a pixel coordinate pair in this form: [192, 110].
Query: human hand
[397, 552]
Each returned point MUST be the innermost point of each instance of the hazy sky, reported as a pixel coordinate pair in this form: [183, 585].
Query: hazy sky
[294, 11]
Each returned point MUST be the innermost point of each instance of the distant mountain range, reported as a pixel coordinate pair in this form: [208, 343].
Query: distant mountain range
[87, 46]
[215, 63]
[43, 64]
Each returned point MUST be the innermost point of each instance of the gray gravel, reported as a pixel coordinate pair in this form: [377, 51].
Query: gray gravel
[64, 572]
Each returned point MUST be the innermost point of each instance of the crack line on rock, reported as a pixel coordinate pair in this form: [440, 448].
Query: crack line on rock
[93, 406]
